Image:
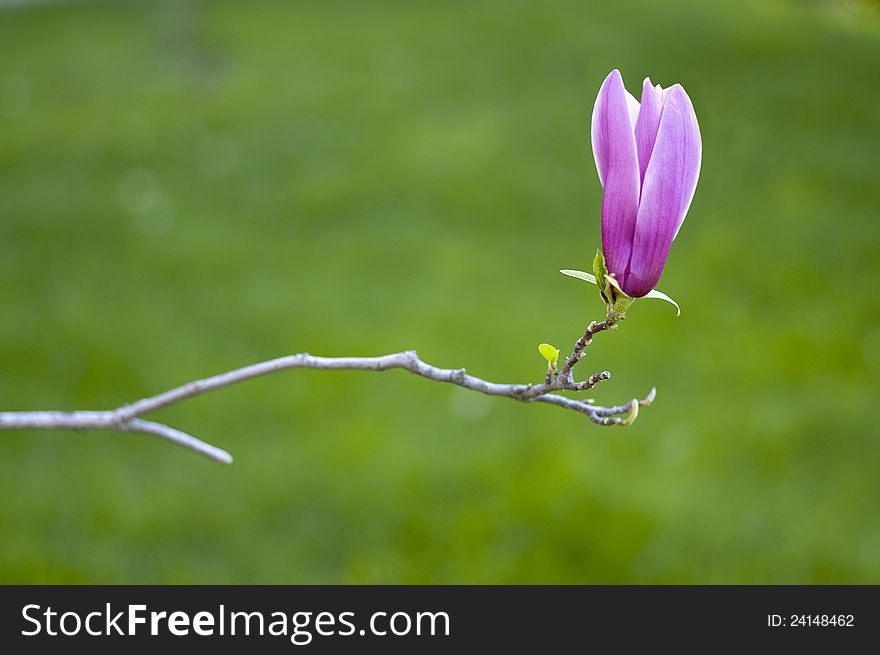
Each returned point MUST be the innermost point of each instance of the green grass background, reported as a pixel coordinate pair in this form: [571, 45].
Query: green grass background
[190, 187]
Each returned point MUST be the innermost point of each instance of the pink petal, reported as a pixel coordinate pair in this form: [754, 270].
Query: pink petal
[614, 147]
[633, 105]
[670, 182]
[648, 123]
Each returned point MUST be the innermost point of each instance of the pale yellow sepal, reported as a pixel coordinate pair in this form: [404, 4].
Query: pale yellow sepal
[632, 415]
[589, 277]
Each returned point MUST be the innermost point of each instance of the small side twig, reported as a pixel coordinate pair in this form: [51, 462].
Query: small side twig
[581, 345]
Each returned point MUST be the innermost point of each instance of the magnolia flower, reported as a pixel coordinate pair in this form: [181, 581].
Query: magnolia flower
[648, 158]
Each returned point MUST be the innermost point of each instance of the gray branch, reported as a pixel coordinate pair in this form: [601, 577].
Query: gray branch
[127, 418]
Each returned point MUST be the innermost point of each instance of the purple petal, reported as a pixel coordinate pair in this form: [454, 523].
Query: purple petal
[670, 181]
[614, 147]
[648, 123]
[633, 105]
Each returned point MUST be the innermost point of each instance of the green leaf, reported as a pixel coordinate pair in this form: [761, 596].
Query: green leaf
[616, 301]
[599, 267]
[549, 353]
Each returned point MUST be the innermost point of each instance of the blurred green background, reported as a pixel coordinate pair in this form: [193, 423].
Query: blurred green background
[190, 187]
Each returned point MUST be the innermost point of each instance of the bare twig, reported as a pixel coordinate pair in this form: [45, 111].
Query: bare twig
[127, 418]
[581, 344]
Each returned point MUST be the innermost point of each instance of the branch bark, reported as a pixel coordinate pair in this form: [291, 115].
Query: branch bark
[128, 417]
